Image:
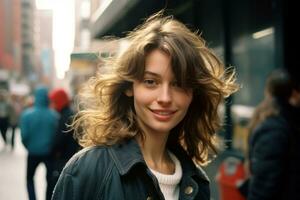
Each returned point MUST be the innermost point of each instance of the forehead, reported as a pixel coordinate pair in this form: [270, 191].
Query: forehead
[158, 62]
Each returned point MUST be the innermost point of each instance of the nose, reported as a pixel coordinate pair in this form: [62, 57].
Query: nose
[164, 95]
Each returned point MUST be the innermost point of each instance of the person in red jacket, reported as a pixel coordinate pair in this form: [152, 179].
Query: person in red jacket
[64, 144]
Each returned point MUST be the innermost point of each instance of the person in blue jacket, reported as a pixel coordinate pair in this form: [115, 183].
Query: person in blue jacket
[149, 124]
[38, 126]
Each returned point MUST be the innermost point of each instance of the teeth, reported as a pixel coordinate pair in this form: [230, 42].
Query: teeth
[164, 113]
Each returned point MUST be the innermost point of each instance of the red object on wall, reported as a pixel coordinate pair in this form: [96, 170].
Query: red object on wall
[230, 176]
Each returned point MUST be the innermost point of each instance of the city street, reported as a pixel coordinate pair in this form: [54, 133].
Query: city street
[13, 173]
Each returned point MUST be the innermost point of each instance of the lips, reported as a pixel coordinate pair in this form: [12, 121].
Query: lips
[163, 115]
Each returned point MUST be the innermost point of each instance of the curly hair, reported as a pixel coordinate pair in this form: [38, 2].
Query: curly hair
[107, 115]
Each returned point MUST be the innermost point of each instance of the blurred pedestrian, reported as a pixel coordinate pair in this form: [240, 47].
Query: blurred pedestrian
[274, 145]
[64, 143]
[38, 127]
[16, 109]
[27, 101]
[149, 124]
[4, 116]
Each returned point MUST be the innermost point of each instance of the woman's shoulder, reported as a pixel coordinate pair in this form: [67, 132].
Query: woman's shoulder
[84, 175]
[88, 160]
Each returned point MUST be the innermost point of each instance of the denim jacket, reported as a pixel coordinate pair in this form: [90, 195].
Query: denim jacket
[119, 172]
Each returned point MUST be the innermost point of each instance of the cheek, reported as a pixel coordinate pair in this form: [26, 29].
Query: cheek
[185, 100]
[143, 97]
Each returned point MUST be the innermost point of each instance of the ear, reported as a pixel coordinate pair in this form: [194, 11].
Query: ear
[129, 92]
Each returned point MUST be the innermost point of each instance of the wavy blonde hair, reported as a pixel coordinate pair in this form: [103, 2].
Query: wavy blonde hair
[107, 115]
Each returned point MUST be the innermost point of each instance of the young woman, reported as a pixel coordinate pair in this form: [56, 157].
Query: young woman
[149, 124]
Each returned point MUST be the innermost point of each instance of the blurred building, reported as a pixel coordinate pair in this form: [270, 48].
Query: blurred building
[83, 62]
[27, 21]
[26, 53]
[82, 25]
[10, 41]
[82, 67]
[88, 52]
[44, 54]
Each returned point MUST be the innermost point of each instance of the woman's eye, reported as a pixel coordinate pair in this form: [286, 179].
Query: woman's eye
[175, 84]
[149, 82]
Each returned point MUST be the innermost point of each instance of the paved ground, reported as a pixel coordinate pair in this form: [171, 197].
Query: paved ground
[13, 173]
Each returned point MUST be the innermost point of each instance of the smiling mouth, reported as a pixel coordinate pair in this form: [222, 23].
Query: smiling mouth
[163, 115]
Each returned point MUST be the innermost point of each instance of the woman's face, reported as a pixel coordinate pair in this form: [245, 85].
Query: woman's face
[159, 103]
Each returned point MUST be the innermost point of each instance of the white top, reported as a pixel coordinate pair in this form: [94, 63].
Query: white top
[169, 183]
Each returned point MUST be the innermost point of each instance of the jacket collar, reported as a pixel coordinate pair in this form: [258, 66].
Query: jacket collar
[127, 154]
[188, 166]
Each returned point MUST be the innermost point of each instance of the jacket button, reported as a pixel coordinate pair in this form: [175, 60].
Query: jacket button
[188, 190]
[149, 198]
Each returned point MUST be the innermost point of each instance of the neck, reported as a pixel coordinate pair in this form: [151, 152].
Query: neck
[155, 153]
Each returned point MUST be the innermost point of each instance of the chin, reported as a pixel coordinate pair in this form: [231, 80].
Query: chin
[162, 129]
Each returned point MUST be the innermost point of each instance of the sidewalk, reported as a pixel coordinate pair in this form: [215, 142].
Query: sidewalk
[13, 173]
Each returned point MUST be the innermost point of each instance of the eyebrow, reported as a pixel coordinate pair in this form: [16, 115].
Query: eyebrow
[151, 73]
